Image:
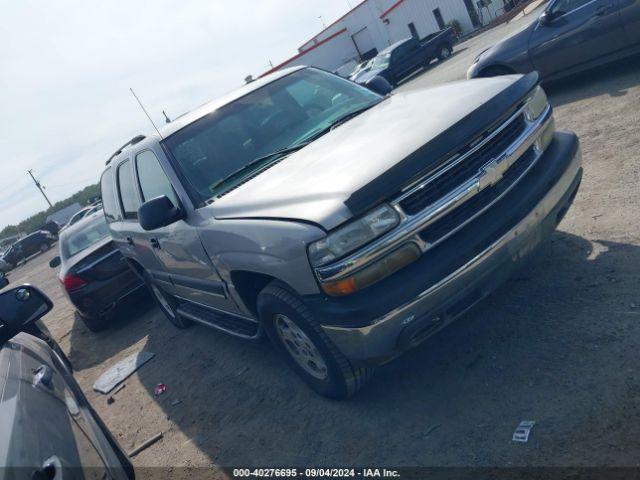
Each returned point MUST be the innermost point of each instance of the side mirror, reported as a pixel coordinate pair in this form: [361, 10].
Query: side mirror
[55, 262]
[20, 307]
[546, 18]
[158, 212]
[4, 281]
[380, 85]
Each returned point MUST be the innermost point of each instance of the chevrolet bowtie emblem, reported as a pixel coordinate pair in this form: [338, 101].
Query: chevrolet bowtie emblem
[492, 173]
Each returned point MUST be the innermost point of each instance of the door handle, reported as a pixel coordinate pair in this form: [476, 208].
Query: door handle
[155, 243]
[129, 241]
[601, 10]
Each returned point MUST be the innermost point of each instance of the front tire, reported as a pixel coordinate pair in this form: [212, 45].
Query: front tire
[298, 337]
[167, 303]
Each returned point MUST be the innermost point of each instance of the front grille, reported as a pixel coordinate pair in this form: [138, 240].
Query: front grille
[476, 204]
[465, 170]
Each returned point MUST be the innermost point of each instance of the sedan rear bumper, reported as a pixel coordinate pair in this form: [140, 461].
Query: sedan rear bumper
[98, 297]
[408, 324]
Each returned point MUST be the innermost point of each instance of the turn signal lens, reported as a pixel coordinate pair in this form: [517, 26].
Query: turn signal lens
[375, 272]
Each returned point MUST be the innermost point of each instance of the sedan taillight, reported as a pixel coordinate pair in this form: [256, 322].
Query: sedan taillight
[72, 282]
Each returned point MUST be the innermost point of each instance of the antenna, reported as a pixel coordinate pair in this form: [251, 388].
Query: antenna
[166, 117]
[145, 112]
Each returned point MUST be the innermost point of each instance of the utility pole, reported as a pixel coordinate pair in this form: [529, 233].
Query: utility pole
[40, 187]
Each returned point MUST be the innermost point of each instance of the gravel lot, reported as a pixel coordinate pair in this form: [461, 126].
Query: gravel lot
[558, 344]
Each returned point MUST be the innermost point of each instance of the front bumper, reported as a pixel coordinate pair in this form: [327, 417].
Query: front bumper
[405, 325]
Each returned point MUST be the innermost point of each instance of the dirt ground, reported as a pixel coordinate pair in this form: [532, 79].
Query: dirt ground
[558, 344]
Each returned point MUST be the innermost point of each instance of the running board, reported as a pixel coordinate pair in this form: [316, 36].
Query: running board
[232, 324]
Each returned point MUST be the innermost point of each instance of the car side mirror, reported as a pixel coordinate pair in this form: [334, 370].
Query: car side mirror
[55, 262]
[20, 307]
[546, 17]
[158, 212]
[380, 85]
[4, 281]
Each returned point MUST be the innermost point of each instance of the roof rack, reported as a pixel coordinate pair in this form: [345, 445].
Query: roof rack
[133, 141]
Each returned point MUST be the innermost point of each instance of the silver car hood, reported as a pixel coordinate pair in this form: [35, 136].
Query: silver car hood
[313, 184]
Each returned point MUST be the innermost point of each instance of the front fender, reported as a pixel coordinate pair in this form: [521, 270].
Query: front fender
[275, 248]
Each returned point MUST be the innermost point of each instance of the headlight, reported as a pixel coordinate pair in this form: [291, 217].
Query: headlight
[536, 104]
[352, 236]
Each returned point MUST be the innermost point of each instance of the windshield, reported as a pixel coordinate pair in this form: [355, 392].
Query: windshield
[80, 240]
[381, 61]
[278, 116]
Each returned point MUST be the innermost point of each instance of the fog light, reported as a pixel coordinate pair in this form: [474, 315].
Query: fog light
[375, 272]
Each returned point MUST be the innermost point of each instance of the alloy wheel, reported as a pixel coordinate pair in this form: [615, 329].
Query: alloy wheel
[301, 347]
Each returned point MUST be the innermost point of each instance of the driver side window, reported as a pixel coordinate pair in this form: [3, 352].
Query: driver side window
[565, 6]
[153, 181]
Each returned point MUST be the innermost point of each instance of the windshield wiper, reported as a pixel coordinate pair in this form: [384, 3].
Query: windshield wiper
[254, 162]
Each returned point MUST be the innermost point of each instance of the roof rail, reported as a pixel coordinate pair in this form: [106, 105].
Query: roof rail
[133, 141]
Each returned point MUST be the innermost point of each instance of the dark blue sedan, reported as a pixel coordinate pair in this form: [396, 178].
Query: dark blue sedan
[569, 36]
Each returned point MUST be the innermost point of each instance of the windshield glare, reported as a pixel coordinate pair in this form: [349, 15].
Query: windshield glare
[381, 61]
[82, 239]
[278, 116]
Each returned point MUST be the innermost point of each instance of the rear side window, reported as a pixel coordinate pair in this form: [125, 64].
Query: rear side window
[109, 202]
[127, 191]
[153, 181]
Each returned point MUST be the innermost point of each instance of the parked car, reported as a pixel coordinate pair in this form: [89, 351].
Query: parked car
[49, 429]
[569, 36]
[93, 273]
[346, 225]
[407, 56]
[4, 267]
[78, 216]
[35, 242]
[361, 69]
[52, 227]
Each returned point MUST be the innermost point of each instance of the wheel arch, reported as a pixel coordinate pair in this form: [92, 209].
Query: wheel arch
[248, 285]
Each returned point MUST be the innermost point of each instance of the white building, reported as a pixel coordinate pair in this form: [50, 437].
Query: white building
[373, 25]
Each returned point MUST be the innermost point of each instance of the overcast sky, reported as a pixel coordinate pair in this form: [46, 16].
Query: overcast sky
[66, 68]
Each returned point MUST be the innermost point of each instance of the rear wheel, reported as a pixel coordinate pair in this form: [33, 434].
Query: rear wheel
[167, 303]
[44, 247]
[305, 347]
[444, 52]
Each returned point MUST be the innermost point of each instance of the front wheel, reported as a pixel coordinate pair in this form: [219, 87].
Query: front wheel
[166, 303]
[305, 347]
